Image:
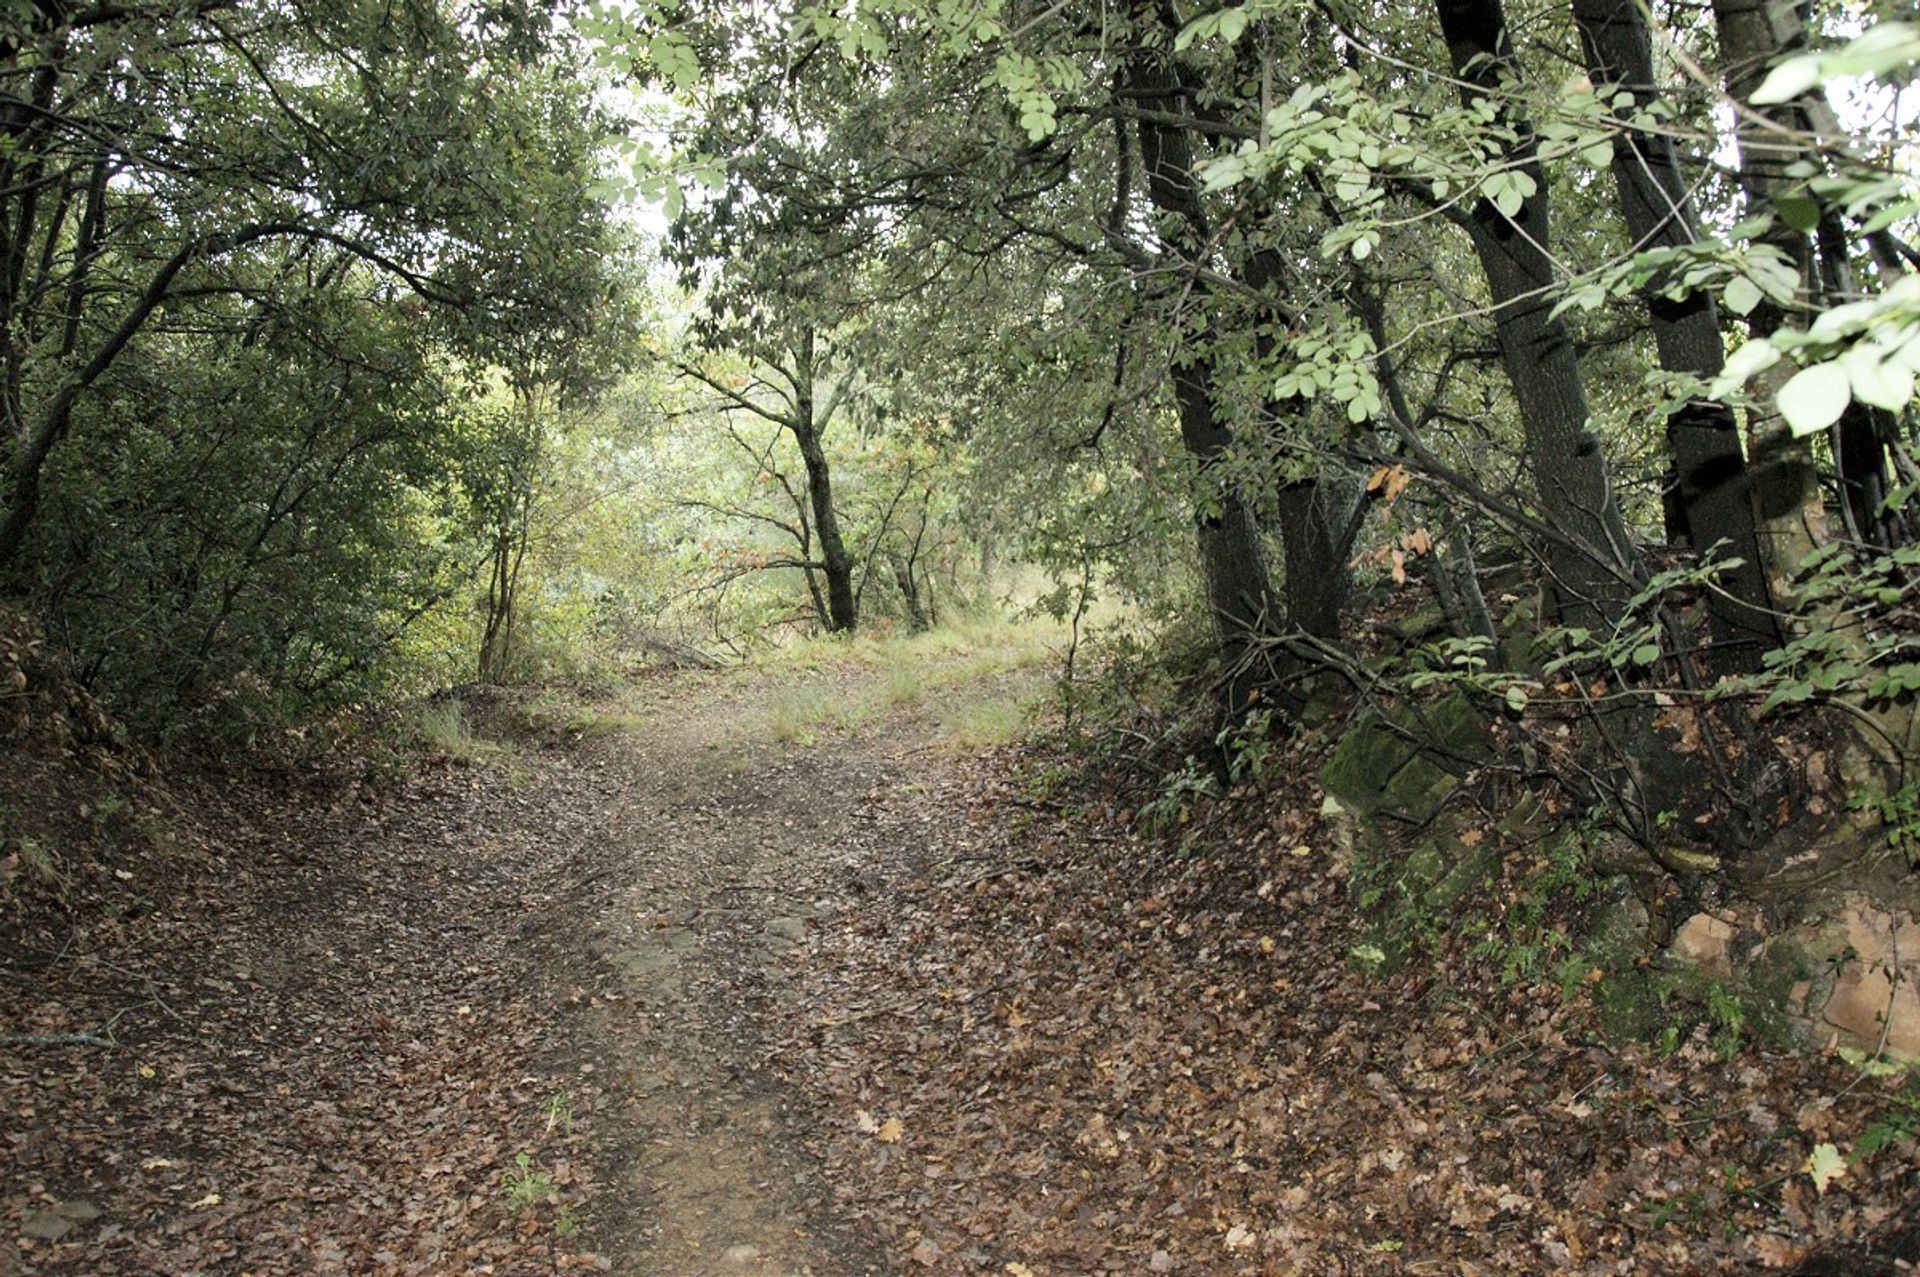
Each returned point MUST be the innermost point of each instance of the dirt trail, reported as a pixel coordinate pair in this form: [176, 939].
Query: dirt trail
[723, 847]
[339, 1020]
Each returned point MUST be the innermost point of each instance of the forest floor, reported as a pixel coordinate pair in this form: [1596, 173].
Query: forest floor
[810, 971]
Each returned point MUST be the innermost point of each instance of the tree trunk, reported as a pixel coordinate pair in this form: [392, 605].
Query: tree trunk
[1317, 575]
[1710, 491]
[1569, 471]
[1232, 562]
[1864, 433]
[1314, 533]
[1786, 486]
[836, 563]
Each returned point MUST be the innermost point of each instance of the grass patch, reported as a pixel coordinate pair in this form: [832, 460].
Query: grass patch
[986, 723]
[442, 728]
[906, 684]
[593, 724]
[843, 684]
[796, 712]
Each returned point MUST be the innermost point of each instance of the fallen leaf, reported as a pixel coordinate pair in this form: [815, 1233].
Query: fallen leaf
[1824, 1165]
[890, 1131]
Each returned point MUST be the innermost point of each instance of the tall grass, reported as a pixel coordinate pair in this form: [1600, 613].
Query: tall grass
[442, 727]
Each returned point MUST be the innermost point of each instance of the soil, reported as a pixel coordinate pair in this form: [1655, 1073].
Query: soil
[674, 985]
[270, 1024]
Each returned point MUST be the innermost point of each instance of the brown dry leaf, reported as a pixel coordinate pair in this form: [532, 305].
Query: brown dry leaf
[1778, 1252]
[890, 1131]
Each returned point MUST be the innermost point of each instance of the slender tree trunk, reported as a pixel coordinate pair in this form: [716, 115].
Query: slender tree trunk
[1864, 433]
[1568, 468]
[1786, 486]
[836, 563]
[1232, 563]
[1710, 493]
[1314, 535]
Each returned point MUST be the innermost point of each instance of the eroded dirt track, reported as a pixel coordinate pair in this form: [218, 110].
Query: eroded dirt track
[513, 1017]
[729, 850]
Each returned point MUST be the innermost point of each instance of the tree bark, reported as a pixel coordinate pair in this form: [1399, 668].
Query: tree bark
[1710, 492]
[1232, 562]
[1786, 486]
[1569, 472]
[1317, 575]
[836, 563]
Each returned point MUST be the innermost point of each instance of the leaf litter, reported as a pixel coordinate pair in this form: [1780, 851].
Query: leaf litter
[998, 1036]
[1114, 1053]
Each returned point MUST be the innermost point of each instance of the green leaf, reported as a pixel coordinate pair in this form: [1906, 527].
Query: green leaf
[1646, 654]
[1509, 191]
[1889, 215]
[1814, 398]
[1754, 357]
[1889, 46]
[1742, 295]
[1876, 381]
[1802, 212]
[1788, 80]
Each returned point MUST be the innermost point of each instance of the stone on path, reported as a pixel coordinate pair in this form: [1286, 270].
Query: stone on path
[52, 1225]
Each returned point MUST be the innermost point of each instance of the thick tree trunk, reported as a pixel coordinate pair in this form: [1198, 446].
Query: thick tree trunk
[1232, 562]
[1710, 491]
[836, 563]
[1314, 532]
[1568, 468]
[1317, 574]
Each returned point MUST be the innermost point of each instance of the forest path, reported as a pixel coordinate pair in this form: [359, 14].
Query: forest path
[509, 1010]
[739, 830]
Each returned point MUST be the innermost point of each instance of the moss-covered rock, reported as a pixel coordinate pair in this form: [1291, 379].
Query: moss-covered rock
[1406, 763]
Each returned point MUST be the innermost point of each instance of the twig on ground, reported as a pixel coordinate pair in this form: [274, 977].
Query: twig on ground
[54, 1039]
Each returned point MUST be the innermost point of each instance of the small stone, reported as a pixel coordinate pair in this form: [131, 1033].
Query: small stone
[78, 1211]
[46, 1225]
[1703, 941]
[791, 930]
[741, 1254]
